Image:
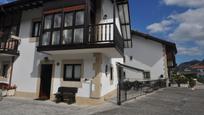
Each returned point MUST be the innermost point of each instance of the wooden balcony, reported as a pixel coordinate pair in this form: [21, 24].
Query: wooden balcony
[9, 47]
[95, 36]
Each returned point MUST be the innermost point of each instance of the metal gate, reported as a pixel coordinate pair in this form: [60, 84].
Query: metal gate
[130, 88]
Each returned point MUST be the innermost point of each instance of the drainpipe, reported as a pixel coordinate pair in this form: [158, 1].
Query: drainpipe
[11, 72]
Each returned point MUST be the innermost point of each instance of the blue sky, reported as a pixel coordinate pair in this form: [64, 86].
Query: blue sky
[179, 21]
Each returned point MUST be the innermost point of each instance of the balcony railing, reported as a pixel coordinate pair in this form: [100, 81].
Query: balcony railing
[95, 36]
[9, 46]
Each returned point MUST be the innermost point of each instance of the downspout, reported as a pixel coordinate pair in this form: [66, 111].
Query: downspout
[11, 71]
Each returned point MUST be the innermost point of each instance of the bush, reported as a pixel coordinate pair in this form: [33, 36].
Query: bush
[201, 79]
[180, 80]
[192, 83]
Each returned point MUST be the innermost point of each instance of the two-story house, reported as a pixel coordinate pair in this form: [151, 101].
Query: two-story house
[156, 57]
[47, 44]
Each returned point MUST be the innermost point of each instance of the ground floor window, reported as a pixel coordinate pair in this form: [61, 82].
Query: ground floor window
[5, 68]
[72, 72]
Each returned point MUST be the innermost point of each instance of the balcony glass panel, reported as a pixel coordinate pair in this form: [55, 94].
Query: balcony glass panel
[48, 22]
[57, 20]
[126, 13]
[67, 37]
[68, 20]
[79, 18]
[55, 37]
[46, 39]
[78, 35]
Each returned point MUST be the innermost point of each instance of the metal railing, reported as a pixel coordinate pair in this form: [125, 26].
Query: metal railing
[10, 45]
[98, 34]
[131, 88]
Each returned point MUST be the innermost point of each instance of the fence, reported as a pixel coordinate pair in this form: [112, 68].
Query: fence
[129, 88]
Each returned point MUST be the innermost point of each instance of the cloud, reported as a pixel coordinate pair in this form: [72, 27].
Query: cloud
[160, 27]
[191, 25]
[182, 27]
[192, 51]
[185, 3]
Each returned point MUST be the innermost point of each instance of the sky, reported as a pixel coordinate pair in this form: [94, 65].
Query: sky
[179, 21]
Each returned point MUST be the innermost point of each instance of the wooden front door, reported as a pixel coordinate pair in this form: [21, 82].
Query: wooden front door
[45, 83]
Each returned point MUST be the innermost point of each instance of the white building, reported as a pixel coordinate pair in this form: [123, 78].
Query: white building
[74, 44]
[154, 56]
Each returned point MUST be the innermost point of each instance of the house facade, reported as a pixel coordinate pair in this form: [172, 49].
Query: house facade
[154, 56]
[63, 43]
[48, 44]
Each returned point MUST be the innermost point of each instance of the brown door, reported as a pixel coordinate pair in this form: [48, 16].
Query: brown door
[45, 83]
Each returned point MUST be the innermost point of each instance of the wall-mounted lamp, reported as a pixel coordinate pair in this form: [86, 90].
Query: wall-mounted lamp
[105, 17]
[46, 59]
[58, 63]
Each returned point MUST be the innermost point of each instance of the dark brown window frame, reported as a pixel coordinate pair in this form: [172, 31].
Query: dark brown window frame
[111, 73]
[34, 24]
[62, 28]
[73, 69]
[5, 68]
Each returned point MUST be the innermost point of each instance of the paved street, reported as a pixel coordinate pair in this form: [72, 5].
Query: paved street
[170, 101]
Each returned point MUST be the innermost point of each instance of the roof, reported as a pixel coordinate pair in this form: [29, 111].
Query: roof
[21, 5]
[164, 42]
[198, 66]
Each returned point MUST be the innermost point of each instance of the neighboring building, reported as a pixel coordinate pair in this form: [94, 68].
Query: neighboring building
[199, 69]
[74, 43]
[155, 56]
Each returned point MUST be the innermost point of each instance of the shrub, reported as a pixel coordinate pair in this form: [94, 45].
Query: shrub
[200, 79]
[180, 80]
[192, 83]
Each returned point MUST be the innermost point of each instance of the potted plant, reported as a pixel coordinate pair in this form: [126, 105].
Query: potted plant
[11, 90]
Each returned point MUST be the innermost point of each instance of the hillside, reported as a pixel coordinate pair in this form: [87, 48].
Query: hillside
[188, 64]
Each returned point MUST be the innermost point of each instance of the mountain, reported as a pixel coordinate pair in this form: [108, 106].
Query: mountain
[187, 65]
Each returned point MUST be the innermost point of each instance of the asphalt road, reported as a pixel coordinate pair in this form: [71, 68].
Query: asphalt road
[169, 101]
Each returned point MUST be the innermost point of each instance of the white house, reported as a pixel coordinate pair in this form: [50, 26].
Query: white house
[71, 43]
[153, 55]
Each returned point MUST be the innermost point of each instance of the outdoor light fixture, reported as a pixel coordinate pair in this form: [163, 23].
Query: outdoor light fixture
[58, 63]
[46, 59]
[105, 17]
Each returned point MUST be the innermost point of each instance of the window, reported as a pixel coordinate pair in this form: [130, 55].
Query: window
[111, 73]
[147, 75]
[73, 27]
[131, 58]
[36, 29]
[51, 31]
[63, 29]
[72, 72]
[5, 68]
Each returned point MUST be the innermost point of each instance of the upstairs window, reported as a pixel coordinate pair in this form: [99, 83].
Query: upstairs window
[73, 31]
[63, 28]
[36, 29]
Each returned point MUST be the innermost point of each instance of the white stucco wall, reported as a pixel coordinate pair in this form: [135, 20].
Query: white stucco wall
[147, 55]
[107, 84]
[25, 67]
[88, 72]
